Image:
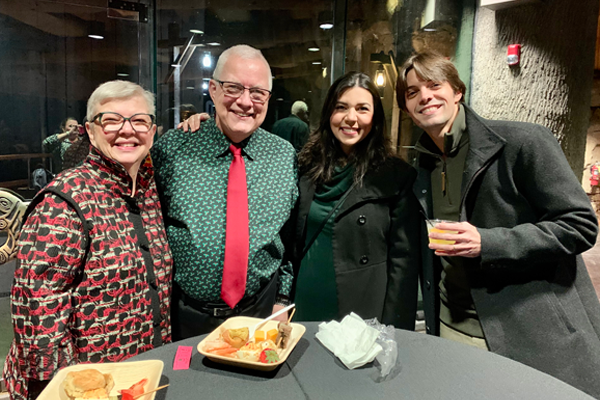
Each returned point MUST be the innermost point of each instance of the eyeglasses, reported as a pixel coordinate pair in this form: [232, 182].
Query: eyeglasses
[236, 90]
[113, 122]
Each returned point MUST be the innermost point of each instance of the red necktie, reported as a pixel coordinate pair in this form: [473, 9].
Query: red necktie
[237, 240]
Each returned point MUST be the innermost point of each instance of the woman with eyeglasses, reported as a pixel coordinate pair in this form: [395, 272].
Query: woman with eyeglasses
[93, 276]
[357, 224]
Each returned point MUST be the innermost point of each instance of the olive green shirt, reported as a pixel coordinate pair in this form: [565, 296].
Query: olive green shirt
[456, 309]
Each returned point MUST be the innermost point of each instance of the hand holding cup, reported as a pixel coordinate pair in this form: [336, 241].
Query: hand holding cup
[451, 239]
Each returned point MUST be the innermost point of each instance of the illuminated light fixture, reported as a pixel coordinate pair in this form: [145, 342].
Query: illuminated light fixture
[204, 85]
[380, 77]
[325, 20]
[98, 37]
[122, 74]
[313, 49]
[206, 61]
[429, 29]
[190, 88]
[279, 99]
[214, 44]
[324, 72]
[316, 63]
[175, 65]
[197, 31]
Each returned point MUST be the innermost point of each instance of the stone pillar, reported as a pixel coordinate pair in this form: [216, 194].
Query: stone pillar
[552, 85]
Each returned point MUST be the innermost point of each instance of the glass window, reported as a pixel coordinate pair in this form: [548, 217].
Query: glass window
[295, 38]
[53, 55]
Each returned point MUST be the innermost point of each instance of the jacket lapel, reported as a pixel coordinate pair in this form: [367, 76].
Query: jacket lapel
[484, 146]
[307, 192]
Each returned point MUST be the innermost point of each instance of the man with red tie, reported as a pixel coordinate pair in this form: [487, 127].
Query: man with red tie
[227, 192]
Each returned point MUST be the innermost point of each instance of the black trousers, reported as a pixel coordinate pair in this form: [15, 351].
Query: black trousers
[191, 318]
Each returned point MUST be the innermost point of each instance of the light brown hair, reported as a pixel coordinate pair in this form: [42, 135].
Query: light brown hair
[429, 66]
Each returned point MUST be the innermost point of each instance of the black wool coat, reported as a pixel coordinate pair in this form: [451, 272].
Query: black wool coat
[530, 287]
[375, 245]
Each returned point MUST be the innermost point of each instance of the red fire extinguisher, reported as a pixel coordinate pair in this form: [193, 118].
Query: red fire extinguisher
[595, 178]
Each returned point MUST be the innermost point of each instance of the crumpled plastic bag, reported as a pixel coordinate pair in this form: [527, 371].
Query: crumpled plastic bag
[388, 365]
[352, 340]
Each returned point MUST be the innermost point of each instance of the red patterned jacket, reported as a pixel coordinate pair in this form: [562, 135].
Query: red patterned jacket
[76, 303]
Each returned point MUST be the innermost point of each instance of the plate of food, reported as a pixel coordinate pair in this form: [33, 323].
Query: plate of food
[104, 380]
[270, 346]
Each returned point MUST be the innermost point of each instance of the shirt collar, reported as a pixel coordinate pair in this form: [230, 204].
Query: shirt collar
[452, 138]
[248, 145]
[116, 177]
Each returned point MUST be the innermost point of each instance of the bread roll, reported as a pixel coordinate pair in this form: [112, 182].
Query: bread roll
[88, 384]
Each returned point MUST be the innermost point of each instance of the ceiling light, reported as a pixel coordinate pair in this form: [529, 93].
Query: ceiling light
[214, 44]
[206, 61]
[175, 65]
[313, 49]
[316, 63]
[204, 85]
[122, 74]
[197, 31]
[325, 26]
[96, 37]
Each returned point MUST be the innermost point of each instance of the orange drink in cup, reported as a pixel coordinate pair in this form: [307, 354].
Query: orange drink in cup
[431, 223]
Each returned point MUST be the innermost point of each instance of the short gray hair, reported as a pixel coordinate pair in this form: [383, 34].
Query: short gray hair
[118, 90]
[244, 52]
[298, 107]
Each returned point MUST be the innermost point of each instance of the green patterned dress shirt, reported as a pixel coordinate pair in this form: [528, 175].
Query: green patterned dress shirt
[191, 174]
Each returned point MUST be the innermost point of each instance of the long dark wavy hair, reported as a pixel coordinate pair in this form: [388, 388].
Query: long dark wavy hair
[322, 152]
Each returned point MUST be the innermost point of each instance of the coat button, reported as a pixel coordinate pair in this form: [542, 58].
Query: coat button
[427, 285]
[364, 260]
[361, 220]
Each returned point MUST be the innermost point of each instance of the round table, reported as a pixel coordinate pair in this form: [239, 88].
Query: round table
[431, 368]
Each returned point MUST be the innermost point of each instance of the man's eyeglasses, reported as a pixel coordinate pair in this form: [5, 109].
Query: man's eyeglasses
[236, 90]
[113, 122]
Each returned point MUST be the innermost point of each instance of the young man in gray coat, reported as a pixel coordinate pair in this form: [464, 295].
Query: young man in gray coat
[511, 279]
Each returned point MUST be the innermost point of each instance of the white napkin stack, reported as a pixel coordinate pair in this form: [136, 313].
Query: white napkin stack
[352, 340]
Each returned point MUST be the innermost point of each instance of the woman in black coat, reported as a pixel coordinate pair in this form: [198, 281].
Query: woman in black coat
[357, 240]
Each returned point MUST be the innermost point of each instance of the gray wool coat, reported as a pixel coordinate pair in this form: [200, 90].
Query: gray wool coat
[530, 287]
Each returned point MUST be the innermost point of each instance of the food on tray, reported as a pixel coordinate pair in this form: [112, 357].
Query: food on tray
[272, 335]
[88, 384]
[284, 334]
[259, 336]
[236, 337]
[135, 390]
[235, 343]
[268, 356]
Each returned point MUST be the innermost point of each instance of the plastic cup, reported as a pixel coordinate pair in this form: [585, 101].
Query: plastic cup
[431, 223]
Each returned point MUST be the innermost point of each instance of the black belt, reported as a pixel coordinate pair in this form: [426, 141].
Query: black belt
[217, 309]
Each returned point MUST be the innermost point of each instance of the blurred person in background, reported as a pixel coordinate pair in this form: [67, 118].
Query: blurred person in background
[94, 269]
[294, 128]
[59, 143]
[357, 232]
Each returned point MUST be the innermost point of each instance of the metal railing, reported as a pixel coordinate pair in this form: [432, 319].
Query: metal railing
[28, 157]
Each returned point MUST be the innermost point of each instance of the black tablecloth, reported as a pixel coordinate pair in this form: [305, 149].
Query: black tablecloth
[431, 368]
